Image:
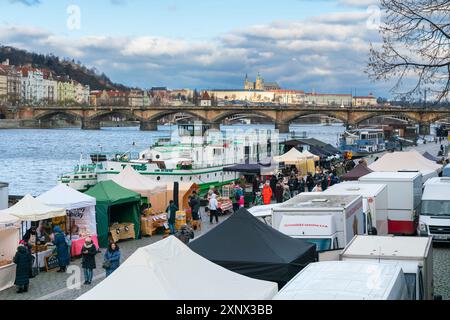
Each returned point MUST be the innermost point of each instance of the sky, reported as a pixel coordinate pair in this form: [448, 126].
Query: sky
[319, 45]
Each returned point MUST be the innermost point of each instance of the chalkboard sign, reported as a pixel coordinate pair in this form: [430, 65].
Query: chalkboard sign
[51, 262]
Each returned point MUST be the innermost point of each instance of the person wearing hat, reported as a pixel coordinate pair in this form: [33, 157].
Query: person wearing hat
[88, 253]
[22, 260]
[62, 249]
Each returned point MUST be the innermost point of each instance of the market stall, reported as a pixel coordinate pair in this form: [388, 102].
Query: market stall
[169, 270]
[32, 210]
[115, 204]
[80, 221]
[155, 193]
[9, 241]
[411, 160]
[245, 245]
[295, 158]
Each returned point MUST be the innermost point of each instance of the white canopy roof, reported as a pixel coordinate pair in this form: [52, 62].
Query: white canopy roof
[31, 209]
[167, 269]
[63, 196]
[311, 155]
[293, 156]
[7, 221]
[132, 180]
[411, 160]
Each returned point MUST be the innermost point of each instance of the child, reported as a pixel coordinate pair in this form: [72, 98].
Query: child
[241, 202]
[258, 199]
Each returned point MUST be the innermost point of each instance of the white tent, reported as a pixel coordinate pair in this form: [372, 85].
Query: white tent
[311, 155]
[31, 209]
[293, 156]
[9, 240]
[155, 192]
[80, 207]
[169, 270]
[411, 160]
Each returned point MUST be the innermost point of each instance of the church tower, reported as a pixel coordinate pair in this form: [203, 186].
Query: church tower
[247, 84]
[259, 84]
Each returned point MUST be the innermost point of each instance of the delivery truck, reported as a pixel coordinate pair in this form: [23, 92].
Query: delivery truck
[404, 197]
[434, 217]
[375, 203]
[413, 254]
[329, 221]
[341, 280]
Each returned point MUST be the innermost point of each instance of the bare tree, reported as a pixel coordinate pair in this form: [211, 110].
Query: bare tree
[416, 48]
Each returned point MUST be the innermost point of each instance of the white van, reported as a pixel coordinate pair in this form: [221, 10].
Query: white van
[434, 217]
[341, 280]
[375, 203]
[404, 197]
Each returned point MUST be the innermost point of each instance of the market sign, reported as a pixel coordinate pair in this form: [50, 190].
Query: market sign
[76, 213]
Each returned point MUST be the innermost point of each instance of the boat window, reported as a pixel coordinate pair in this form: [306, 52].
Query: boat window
[83, 177]
[76, 177]
[411, 285]
[181, 178]
[190, 178]
[158, 178]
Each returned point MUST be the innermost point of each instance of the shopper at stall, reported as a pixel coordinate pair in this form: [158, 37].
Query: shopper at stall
[111, 258]
[301, 184]
[258, 199]
[279, 192]
[310, 182]
[194, 203]
[23, 268]
[88, 253]
[286, 193]
[62, 249]
[213, 206]
[171, 215]
[267, 193]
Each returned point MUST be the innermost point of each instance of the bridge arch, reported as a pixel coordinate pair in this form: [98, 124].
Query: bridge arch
[48, 115]
[101, 115]
[438, 117]
[220, 118]
[303, 114]
[385, 114]
[160, 115]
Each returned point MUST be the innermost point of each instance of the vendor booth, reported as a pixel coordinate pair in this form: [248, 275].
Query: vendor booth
[9, 241]
[155, 193]
[295, 157]
[80, 208]
[31, 209]
[357, 172]
[246, 245]
[116, 212]
[184, 192]
[404, 161]
[169, 270]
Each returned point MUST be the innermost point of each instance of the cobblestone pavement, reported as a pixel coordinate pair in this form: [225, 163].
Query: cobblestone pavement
[53, 285]
[441, 268]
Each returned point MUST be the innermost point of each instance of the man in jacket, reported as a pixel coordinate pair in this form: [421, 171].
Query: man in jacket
[213, 206]
[171, 215]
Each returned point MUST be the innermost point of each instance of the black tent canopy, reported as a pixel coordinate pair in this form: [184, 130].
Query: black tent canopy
[429, 156]
[359, 171]
[250, 168]
[246, 245]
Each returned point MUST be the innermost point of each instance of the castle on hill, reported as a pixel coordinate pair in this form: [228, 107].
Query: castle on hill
[259, 84]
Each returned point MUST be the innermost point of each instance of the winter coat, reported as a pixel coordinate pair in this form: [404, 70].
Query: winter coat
[171, 213]
[310, 183]
[259, 201]
[22, 259]
[267, 194]
[279, 193]
[88, 259]
[194, 203]
[62, 249]
[114, 258]
[301, 185]
[286, 195]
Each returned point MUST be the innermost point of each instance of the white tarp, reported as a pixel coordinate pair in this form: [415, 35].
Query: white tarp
[411, 160]
[169, 270]
[31, 209]
[80, 207]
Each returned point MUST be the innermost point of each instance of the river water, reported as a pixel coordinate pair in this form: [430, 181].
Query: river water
[31, 160]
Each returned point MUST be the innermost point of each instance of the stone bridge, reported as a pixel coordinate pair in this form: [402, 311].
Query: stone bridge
[281, 116]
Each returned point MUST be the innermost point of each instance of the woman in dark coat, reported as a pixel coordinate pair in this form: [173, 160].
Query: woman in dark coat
[112, 255]
[279, 192]
[23, 268]
[88, 253]
[62, 249]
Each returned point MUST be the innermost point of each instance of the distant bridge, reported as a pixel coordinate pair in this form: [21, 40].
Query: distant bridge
[280, 115]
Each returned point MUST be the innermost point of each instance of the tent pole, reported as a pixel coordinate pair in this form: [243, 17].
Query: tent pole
[37, 249]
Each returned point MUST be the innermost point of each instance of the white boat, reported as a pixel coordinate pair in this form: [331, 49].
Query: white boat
[193, 159]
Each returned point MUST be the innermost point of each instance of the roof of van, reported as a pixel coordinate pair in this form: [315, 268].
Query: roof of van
[394, 175]
[366, 190]
[437, 189]
[341, 280]
[318, 200]
[387, 247]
